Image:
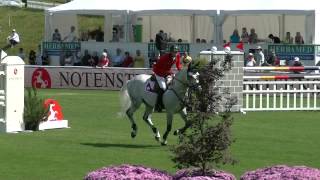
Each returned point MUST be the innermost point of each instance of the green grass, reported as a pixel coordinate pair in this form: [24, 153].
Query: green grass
[29, 23]
[98, 138]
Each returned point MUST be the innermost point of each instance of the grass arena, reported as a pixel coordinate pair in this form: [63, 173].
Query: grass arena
[98, 137]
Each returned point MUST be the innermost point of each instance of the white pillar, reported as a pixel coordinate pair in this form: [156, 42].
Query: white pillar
[11, 94]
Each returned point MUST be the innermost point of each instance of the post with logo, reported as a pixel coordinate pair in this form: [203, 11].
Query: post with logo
[55, 116]
[11, 94]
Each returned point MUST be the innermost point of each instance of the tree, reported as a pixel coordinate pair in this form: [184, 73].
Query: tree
[206, 144]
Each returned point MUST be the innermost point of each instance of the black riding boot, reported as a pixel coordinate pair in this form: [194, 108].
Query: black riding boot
[159, 104]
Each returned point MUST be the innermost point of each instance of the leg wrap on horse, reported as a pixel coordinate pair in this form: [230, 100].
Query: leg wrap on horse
[134, 127]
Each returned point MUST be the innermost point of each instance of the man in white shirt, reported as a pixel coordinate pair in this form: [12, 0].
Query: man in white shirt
[260, 57]
[13, 39]
[71, 37]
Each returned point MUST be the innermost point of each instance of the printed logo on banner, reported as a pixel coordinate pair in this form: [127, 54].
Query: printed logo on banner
[54, 111]
[41, 78]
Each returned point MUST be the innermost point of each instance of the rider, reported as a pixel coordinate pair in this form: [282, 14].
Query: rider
[162, 71]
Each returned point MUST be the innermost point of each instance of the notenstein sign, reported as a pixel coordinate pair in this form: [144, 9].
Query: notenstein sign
[289, 51]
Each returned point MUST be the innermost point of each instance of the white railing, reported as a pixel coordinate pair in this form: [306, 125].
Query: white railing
[281, 95]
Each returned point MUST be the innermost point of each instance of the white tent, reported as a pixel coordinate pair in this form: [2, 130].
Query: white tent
[193, 18]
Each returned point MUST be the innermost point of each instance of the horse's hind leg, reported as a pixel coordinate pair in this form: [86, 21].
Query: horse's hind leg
[134, 106]
[183, 114]
[147, 119]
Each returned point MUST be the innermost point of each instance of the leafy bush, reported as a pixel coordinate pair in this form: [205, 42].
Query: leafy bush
[283, 172]
[34, 110]
[207, 143]
[127, 172]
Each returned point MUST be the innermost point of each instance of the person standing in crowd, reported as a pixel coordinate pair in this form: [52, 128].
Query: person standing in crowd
[32, 57]
[56, 36]
[250, 60]
[128, 60]
[21, 54]
[288, 39]
[253, 37]
[275, 39]
[260, 57]
[104, 61]
[71, 37]
[162, 71]
[235, 38]
[273, 60]
[161, 42]
[138, 60]
[115, 35]
[298, 39]
[86, 58]
[118, 59]
[244, 35]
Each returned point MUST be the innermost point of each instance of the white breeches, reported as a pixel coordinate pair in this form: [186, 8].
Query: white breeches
[162, 82]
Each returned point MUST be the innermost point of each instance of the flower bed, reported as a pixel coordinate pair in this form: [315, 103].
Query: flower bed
[128, 172]
[195, 174]
[283, 172]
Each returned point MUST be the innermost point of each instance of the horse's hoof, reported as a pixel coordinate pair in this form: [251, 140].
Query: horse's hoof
[164, 143]
[133, 135]
[176, 132]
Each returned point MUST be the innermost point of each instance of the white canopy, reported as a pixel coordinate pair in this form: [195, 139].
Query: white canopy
[193, 13]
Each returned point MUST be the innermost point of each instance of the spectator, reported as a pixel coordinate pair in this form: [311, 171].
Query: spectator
[298, 39]
[198, 40]
[235, 38]
[84, 36]
[118, 59]
[71, 37]
[56, 36]
[21, 54]
[128, 60]
[115, 35]
[297, 62]
[161, 42]
[260, 57]
[275, 39]
[45, 58]
[99, 35]
[13, 40]
[288, 39]
[138, 59]
[244, 35]
[39, 56]
[95, 58]
[32, 57]
[69, 59]
[77, 59]
[86, 58]
[253, 37]
[273, 59]
[250, 60]
[104, 61]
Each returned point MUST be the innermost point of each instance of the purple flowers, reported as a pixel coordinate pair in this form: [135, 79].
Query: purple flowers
[195, 174]
[283, 172]
[128, 172]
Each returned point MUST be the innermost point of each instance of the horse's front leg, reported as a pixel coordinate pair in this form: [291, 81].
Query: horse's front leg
[147, 119]
[187, 124]
[169, 127]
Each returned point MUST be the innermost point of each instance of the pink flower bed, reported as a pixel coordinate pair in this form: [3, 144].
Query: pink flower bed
[283, 172]
[128, 172]
[195, 174]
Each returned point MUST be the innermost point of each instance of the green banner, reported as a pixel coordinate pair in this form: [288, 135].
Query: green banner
[288, 52]
[55, 48]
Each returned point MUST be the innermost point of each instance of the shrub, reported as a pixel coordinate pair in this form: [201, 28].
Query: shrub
[127, 172]
[34, 110]
[283, 172]
[206, 143]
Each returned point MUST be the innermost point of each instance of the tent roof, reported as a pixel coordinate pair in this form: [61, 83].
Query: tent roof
[171, 6]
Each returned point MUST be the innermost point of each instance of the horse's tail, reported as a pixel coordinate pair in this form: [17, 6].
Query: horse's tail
[125, 100]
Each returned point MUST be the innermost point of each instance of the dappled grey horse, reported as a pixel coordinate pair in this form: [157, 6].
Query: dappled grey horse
[139, 90]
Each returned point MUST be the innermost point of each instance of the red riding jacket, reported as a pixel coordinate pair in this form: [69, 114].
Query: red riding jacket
[163, 66]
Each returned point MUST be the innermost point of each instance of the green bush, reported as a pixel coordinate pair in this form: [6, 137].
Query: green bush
[34, 110]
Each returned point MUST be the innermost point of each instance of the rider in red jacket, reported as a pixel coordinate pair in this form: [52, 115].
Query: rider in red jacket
[162, 70]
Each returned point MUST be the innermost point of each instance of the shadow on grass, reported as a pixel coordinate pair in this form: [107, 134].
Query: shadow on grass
[106, 145]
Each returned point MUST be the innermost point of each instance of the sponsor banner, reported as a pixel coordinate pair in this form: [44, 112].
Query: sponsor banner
[80, 77]
[288, 52]
[55, 48]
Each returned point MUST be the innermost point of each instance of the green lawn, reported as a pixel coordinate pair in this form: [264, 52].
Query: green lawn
[98, 137]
